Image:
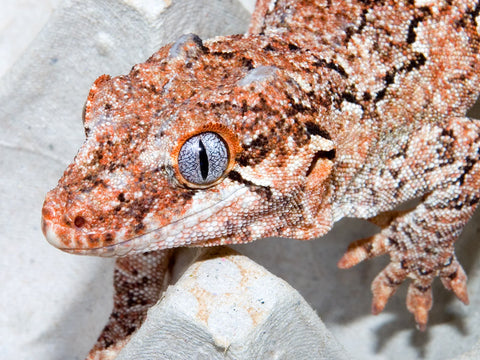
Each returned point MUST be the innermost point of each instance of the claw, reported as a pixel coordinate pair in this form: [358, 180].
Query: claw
[454, 278]
[385, 285]
[419, 303]
[361, 250]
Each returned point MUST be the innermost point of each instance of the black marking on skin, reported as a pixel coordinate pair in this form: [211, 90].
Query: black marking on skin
[367, 96]
[473, 201]
[314, 129]
[244, 107]
[269, 48]
[423, 289]
[261, 190]
[293, 47]
[448, 133]
[422, 271]
[188, 195]
[107, 342]
[393, 282]
[428, 250]
[138, 209]
[264, 108]
[297, 108]
[109, 238]
[94, 182]
[389, 78]
[350, 98]
[138, 227]
[394, 173]
[469, 164]
[363, 21]
[260, 143]
[154, 89]
[418, 61]
[224, 55]
[411, 34]
[248, 63]
[332, 66]
[350, 31]
[330, 155]
[381, 94]
[472, 14]
[453, 275]
[219, 107]
[114, 165]
[392, 241]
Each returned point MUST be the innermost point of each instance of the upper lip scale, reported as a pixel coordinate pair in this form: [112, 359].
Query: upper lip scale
[105, 250]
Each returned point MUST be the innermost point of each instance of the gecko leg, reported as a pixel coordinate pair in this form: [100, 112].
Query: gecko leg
[139, 281]
[420, 242]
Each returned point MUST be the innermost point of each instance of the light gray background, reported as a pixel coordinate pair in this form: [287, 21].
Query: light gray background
[53, 305]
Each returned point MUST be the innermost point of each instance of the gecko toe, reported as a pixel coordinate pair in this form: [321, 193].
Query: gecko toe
[419, 303]
[385, 285]
[361, 250]
[454, 278]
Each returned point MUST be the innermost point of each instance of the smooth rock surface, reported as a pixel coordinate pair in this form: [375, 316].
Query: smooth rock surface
[225, 306]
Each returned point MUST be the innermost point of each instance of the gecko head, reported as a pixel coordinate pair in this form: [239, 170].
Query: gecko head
[200, 145]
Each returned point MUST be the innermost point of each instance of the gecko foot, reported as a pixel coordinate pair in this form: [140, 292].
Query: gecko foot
[419, 295]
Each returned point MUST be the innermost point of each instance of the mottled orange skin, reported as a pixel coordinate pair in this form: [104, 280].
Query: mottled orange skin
[328, 109]
[118, 136]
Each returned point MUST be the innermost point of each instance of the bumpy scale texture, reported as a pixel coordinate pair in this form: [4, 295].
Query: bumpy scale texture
[325, 109]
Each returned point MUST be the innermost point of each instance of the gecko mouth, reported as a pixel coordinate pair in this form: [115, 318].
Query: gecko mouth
[175, 233]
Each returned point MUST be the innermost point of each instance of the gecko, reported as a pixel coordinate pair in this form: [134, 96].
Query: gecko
[323, 110]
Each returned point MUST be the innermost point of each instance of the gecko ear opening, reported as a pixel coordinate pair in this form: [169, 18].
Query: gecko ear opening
[322, 162]
[87, 113]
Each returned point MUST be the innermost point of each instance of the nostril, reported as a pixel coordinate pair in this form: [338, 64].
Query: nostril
[79, 221]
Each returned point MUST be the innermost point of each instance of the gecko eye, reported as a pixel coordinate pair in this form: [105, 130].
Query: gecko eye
[203, 159]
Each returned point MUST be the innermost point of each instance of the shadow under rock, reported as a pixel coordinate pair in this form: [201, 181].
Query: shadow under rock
[338, 296]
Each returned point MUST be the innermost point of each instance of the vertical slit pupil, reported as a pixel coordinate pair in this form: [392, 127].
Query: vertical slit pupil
[203, 160]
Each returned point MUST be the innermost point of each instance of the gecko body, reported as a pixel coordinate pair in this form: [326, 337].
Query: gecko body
[323, 110]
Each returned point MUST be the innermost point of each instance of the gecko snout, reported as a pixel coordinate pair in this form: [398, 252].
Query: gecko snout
[60, 228]
[49, 224]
